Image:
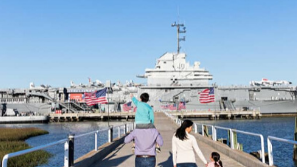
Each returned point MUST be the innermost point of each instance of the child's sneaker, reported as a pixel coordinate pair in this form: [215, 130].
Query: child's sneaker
[158, 149]
[133, 149]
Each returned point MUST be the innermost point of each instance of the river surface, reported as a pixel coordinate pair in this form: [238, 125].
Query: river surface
[282, 127]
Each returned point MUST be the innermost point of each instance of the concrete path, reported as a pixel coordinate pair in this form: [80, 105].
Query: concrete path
[122, 156]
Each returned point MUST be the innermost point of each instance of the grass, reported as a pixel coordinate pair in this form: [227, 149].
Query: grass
[13, 140]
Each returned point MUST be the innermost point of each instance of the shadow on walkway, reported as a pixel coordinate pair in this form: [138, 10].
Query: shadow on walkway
[166, 163]
[116, 161]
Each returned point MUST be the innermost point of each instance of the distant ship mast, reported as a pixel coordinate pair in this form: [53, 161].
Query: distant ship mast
[178, 26]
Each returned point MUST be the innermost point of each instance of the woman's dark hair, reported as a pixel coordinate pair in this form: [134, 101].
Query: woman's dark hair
[216, 157]
[181, 131]
[144, 97]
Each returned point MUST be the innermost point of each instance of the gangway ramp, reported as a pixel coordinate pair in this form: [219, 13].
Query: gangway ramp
[122, 156]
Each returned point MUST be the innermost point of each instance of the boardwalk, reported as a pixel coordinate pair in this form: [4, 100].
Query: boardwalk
[122, 156]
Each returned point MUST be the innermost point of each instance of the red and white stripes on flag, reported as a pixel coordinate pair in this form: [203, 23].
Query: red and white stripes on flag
[96, 97]
[127, 106]
[182, 105]
[207, 96]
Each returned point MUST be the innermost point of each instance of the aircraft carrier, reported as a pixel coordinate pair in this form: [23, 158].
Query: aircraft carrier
[172, 82]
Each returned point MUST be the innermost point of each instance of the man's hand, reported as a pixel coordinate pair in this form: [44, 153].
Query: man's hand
[131, 95]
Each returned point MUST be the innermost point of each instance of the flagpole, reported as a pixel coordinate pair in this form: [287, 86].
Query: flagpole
[107, 105]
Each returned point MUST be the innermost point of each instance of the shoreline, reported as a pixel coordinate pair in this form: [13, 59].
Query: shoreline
[14, 140]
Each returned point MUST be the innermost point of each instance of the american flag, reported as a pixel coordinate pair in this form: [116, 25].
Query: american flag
[172, 107]
[207, 96]
[182, 105]
[166, 106]
[96, 97]
[127, 106]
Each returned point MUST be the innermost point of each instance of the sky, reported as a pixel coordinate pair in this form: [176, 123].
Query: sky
[53, 42]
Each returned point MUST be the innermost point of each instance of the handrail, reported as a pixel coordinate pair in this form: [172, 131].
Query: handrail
[202, 128]
[215, 132]
[10, 155]
[269, 145]
[253, 134]
[66, 164]
[89, 133]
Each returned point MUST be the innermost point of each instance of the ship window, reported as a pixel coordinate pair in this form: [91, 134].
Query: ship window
[164, 62]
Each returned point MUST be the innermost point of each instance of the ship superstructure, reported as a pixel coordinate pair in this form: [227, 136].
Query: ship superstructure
[172, 69]
[174, 80]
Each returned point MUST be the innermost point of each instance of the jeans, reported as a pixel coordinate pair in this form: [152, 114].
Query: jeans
[145, 162]
[186, 165]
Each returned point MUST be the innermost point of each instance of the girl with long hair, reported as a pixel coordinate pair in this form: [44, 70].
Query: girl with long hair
[215, 160]
[184, 145]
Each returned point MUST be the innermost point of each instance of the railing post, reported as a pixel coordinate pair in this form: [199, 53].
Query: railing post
[125, 130]
[231, 139]
[5, 160]
[270, 154]
[214, 133]
[96, 140]
[66, 155]
[119, 131]
[202, 127]
[262, 149]
[71, 150]
[196, 128]
[110, 132]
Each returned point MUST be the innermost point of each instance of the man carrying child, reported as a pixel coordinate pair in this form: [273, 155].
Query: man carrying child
[147, 138]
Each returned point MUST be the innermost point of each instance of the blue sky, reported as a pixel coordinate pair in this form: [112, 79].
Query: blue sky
[53, 42]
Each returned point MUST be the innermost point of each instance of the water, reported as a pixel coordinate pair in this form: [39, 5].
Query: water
[59, 131]
[282, 127]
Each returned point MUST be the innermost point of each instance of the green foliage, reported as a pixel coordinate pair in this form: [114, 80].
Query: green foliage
[12, 140]
[16, 134]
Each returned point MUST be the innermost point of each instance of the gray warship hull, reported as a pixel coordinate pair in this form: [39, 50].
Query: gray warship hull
[267, 100]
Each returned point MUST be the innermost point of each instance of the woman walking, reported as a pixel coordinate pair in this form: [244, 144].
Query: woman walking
[183, 146]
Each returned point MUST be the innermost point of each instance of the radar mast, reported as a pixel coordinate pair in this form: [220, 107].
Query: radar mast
[178, 27]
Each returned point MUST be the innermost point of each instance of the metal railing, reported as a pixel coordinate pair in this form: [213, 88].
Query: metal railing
[10, 155]
[215, 138]
[252, 134]
[269, 146]
[68, 155]
[203, 129]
